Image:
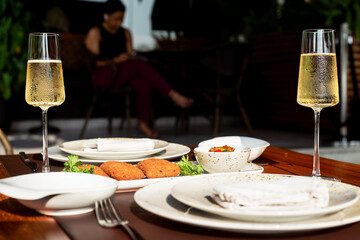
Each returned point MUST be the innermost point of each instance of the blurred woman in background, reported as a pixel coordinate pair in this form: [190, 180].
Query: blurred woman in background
[112, 45]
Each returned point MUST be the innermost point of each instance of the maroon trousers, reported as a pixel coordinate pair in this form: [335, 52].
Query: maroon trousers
[141, 77]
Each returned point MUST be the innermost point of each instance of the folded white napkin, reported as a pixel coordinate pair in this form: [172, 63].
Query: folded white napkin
[284, 194]
[123, 145]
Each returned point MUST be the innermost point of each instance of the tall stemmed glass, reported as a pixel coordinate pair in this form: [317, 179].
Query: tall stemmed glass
[44, 80]
[318, 79]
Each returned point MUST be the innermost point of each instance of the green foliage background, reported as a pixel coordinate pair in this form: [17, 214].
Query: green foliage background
[338, 11]
[297, 15]
[14, 28]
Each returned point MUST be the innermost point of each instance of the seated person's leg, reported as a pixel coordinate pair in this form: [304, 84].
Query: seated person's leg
[143, 105]
[156, 81]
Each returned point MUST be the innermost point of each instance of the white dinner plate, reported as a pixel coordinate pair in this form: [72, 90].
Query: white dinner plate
[173, 150]
[77, 148]
[249, 168]
[157, 199]
[257, 146]
[199, 195]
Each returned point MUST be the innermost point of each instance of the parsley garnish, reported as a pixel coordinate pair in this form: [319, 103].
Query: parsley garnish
[73, 163]
[189, 168]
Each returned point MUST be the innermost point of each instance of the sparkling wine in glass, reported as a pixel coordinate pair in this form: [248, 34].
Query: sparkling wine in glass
[44, 80]
[318, 80]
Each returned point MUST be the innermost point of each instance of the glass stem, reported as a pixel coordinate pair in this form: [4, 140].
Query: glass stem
[45, 166]
[316, 162]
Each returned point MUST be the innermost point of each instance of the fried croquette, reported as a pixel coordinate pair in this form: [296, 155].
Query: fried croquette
[97, 170]
[121, 170]
[156, 168]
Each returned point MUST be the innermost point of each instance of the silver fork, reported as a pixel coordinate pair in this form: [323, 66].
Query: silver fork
[107, 216]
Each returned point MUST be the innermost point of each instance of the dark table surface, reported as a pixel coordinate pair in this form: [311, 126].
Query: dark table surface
[19, 222]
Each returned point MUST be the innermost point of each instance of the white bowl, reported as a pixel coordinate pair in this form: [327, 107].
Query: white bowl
[59, 193]
[257, 146]
[214, 162]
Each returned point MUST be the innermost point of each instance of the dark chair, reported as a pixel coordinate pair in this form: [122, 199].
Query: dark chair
[6, 143]
[75, 57]
[110, 98]
[228, 63]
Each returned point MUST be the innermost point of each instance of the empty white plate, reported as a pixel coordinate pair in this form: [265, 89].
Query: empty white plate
[59, 193]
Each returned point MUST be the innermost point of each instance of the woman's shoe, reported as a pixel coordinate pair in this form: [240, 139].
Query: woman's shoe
[145, 129]
[180, 100]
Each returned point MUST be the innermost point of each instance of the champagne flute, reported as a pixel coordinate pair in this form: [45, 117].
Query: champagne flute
[318, 80]
[44, 80]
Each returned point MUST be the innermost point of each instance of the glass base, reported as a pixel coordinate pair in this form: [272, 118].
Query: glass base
[325, 178]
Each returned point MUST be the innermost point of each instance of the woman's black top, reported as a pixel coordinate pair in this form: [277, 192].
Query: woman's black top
[111, 45]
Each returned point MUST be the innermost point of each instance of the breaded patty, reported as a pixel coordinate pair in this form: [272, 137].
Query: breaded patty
[156, 168]
[121, 170]
[97, 170]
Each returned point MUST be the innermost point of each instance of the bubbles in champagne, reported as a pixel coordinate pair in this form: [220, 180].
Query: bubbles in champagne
[318, 81]
[44, 83]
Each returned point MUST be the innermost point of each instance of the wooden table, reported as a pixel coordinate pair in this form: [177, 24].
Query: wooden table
[19, 222]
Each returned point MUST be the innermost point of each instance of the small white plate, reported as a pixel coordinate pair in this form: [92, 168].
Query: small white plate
[59, 193]
[198, 196]
[173, 150]
[249, 168]
[157, 199]
[257, 146]
[77, 148]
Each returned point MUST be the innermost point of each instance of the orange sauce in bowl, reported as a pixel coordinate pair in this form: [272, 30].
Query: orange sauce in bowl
[224, 148]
